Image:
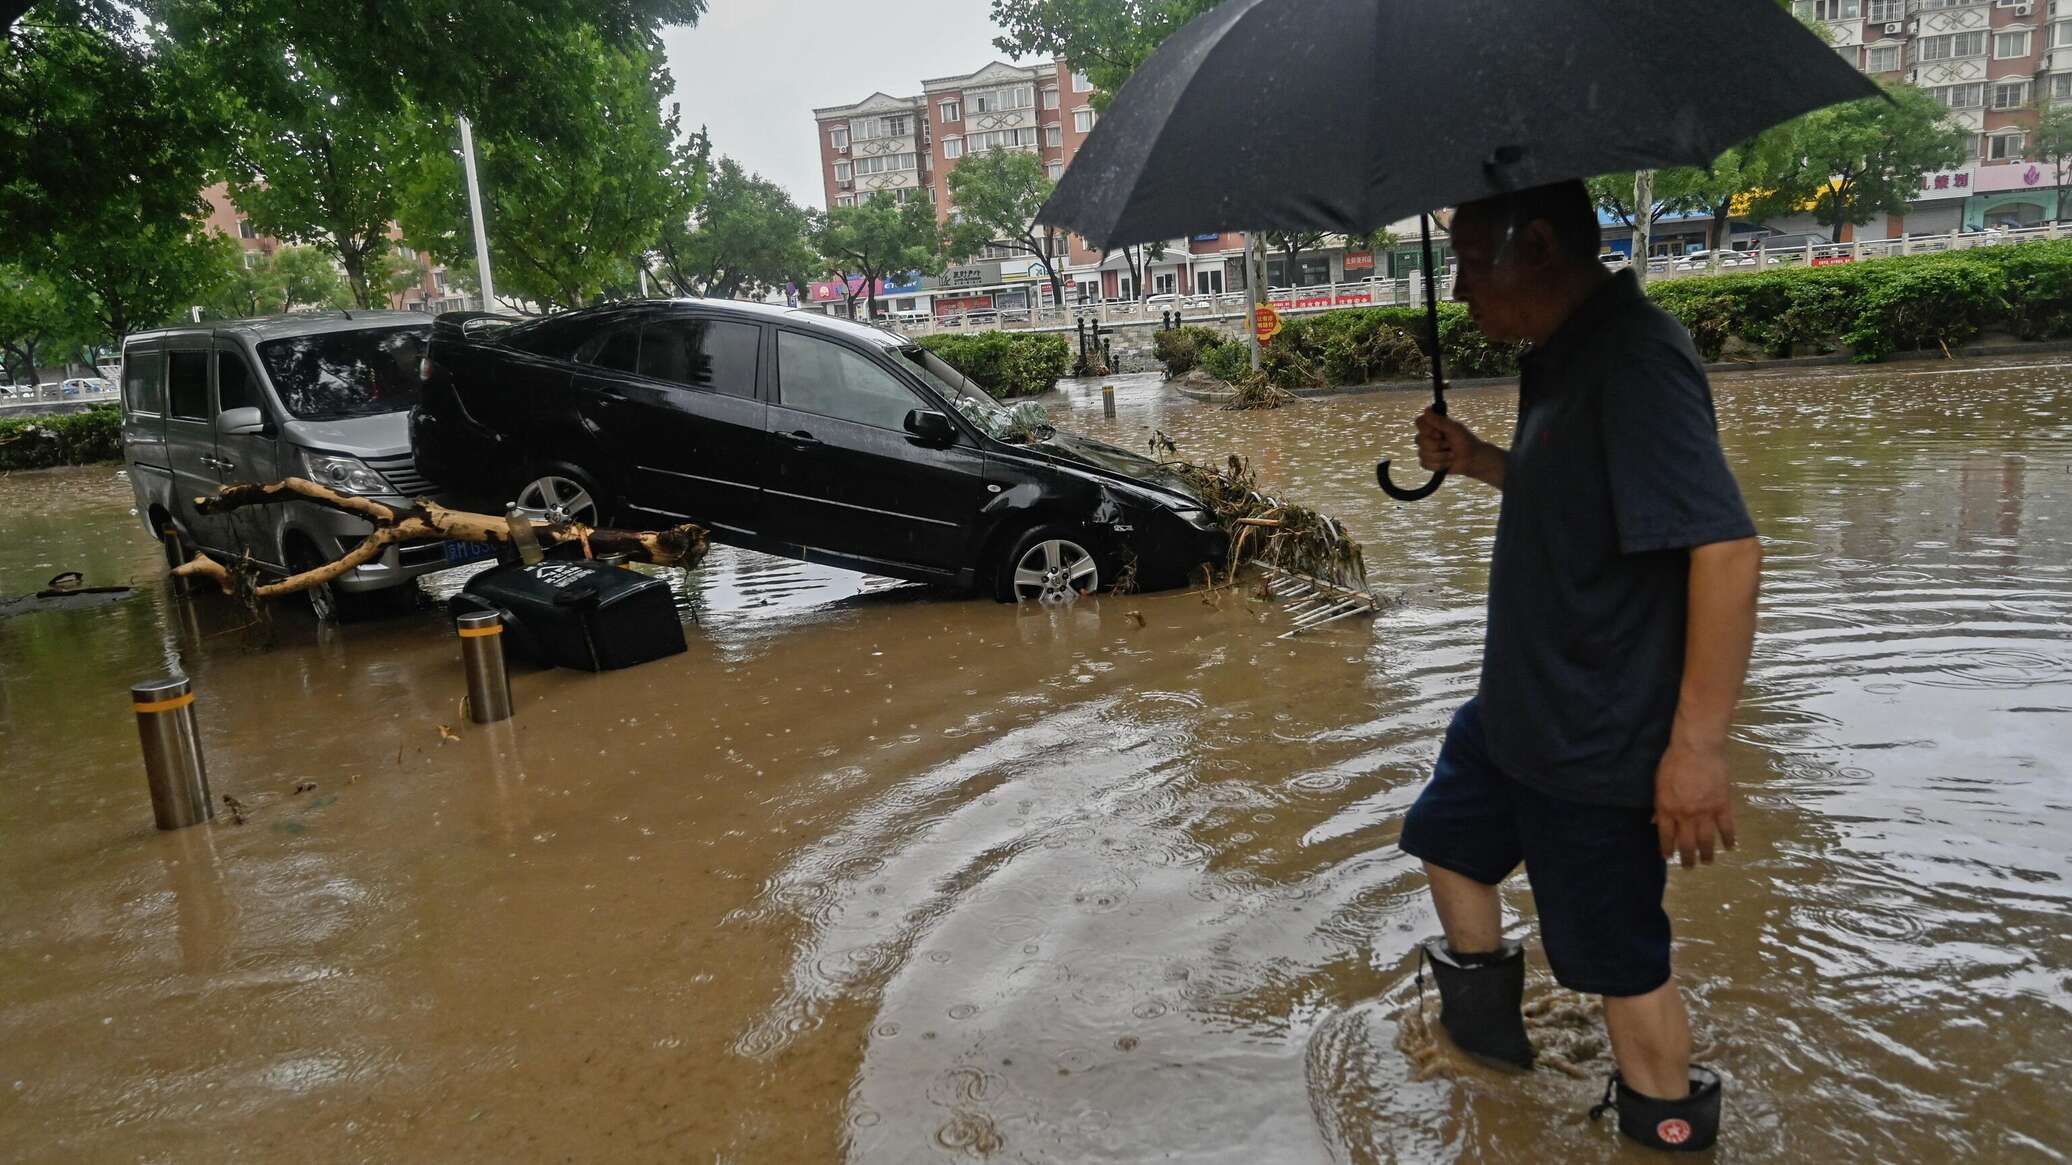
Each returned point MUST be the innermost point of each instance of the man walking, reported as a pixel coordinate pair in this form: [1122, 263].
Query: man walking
[1621, 611]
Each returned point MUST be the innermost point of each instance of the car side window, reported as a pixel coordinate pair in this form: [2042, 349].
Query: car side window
[713, 354]
[189, 385]
[234, 387]
[143, 382]
[819, 377]
[616, 348]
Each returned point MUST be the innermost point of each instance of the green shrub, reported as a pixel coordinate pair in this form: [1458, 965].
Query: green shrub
[1181, 349]
[1227, 361]
[1008, 364]
[66, 439]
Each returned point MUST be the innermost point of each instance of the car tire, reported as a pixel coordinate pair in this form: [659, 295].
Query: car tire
[326, 603]
[1049, 564]
[544, 490]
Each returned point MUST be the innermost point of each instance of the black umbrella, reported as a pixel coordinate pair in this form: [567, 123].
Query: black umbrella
[1347, 115]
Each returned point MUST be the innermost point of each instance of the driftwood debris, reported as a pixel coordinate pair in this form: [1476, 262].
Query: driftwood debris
[681, 546]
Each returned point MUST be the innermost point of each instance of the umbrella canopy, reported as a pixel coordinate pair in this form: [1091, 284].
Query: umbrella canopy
[1346, 115]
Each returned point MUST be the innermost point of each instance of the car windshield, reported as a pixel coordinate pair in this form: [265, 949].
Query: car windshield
[347, 374]
[1021, 423]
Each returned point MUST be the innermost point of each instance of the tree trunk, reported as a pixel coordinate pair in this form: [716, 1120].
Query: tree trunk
[870, 293]
[355, 264]
[681, 546]
[1644, 221]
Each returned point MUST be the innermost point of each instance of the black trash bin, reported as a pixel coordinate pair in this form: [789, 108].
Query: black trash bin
[583, 615]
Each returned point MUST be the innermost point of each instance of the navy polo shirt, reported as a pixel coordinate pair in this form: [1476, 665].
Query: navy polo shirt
[1615, 473]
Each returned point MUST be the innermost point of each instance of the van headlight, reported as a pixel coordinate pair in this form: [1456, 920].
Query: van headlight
[347, 475]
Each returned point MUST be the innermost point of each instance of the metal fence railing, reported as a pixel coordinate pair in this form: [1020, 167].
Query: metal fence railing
[1409, 290]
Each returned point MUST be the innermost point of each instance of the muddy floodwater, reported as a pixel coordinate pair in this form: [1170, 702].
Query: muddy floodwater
[883, 875]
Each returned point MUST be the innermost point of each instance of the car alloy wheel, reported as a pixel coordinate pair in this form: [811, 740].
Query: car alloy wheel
[1055, 570]
[558, 500]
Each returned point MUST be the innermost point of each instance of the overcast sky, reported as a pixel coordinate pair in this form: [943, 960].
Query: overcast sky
[753, 71]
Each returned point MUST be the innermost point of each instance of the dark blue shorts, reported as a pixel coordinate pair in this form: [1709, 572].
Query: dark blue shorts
[1596, 871]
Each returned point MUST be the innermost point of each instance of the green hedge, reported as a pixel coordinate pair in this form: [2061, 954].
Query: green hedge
[65, 439]
[1008, 364]
[1364, 345]
[1181, 349]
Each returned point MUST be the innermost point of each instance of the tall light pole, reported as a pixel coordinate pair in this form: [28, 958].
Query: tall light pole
[467, 157]
[1252, 299]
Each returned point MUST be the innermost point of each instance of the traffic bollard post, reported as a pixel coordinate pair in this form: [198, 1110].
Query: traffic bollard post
[173, 765]
[482, 651]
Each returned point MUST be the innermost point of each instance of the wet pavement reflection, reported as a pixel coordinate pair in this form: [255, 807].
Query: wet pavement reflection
[882, 874]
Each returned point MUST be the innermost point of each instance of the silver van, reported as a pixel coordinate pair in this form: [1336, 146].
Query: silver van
[325, 396]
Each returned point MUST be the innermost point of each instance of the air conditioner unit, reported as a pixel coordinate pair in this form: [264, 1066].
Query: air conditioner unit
[1894, 28]
[2024, 9]
[1913, 26]
[845, 185]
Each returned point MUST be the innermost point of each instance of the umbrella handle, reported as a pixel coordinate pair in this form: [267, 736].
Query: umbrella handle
[1381, 474]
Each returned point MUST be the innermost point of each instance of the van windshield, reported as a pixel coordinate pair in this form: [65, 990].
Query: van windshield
[347, 374]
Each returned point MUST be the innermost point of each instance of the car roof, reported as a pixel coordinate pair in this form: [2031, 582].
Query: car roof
[298, 324]
[748, 313]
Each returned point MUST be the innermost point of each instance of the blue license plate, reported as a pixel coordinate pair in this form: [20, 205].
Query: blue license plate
[463, 552]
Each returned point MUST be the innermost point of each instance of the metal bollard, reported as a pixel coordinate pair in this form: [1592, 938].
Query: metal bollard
[173, 764]
[482, 650]
[1108, 354]
[1108, 401]
[618, 559]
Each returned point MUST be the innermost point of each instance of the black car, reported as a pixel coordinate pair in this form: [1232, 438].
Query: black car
[796, 435]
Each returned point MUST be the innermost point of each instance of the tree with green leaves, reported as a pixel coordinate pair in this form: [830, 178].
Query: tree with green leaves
[1856, 160]
[747, 235]
[877, 239]
[316, 166]
[569, 214]
[997, 194]
[290, 278]
[34, 320]
[2051, 141]
[132, 276]
[1105, 39]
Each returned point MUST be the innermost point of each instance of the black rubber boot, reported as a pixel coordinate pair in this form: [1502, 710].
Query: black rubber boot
[1674, 1126]
[1479, 1001]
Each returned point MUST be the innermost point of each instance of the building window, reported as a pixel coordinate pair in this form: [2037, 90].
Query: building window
[1001, 139]
[1054, 136]
[953, 147]
[896, 126]
[2006, 147]
[1939, 5]
[845, 200]
[1970, 96]
[2061, 87]
[886, 164]
[1050, 99]
[1056, 170]
[1001, 100]
[1950, 46]
[251, 259]
[838, 138]
[1080, 83]
[244, 229]
[842, 172]
[2010, 95]
[1082, 121]
[1837, 10]
[951, 111]
[2007, 45]
[1882, 59]
[1208, 282]
[1886, 11]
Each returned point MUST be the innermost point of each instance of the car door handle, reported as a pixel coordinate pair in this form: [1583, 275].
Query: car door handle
[225, 464]
[801, 438]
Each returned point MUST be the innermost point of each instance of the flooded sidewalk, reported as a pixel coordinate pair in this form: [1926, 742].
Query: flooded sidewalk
[880, 874]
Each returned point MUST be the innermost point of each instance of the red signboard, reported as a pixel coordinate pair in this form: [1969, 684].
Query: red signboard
[962, 303]
[1359, 260]
[1266, 323]
[1832, 260]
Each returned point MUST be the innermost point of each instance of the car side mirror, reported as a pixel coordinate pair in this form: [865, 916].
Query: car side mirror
[930, 426]
[242, 422]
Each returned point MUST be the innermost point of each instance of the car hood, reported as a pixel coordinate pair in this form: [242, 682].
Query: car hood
[377, 435]
[1111, 461]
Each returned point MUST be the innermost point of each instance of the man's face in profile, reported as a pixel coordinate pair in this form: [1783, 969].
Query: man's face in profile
[1494, 279]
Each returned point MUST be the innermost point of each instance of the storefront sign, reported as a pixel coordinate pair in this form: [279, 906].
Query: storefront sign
[1266, 323]
[969, 275]
[1832, 260]
[1359, 260]
[1946, 182]
[958, 304]
[830, 290]
[1208, 238]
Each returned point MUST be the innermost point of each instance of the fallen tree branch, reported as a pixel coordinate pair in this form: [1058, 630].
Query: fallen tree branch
[683, 545]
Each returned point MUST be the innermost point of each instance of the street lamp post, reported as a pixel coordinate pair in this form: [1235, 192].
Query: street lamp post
[467, 156]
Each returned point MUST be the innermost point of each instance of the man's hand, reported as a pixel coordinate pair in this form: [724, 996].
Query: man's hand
[1444, 443]
[1692, 806]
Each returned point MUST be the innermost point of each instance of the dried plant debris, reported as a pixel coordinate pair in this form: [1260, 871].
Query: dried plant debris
[1265, 528]
[1254, 391]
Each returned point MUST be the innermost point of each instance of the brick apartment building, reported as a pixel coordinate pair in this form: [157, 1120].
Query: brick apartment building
[909, 146]
[1994, 63]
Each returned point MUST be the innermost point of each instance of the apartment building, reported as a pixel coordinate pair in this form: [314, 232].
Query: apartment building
[431, 293]
[909, 146]
[1994, 63]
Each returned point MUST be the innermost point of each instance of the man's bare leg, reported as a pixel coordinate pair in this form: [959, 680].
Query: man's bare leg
[1651, 1040]
[1469, 912]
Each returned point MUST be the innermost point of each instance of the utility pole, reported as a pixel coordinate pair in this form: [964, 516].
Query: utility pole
[467, 156]
[1643, 221]
[1253, 298]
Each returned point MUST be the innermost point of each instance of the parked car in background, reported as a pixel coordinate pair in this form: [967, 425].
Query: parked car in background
[796, 435]
[324, 396]
[1701, 260]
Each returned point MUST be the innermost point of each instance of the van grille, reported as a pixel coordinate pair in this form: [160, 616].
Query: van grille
[402, 473]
